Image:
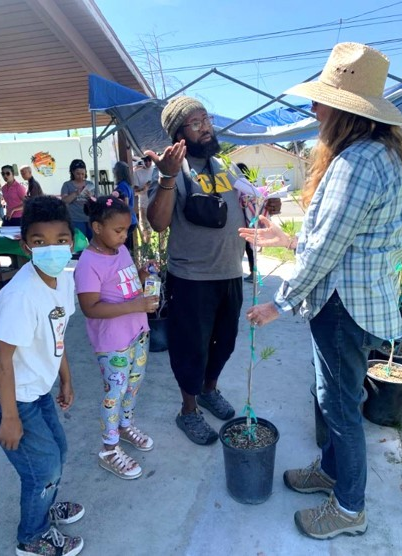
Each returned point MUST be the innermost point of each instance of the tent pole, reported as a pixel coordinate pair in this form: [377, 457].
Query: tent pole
[95, 153]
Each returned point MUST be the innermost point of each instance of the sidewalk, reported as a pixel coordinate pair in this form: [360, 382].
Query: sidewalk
[180, 506]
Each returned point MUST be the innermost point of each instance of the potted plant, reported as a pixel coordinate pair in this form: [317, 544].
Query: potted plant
[249, 445]
[156, 250]
[249, 442]
[383, 383]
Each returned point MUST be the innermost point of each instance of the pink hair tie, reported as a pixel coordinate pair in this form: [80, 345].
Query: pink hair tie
[109, 202]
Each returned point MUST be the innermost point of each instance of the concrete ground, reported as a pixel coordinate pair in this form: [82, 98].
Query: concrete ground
[180, 506]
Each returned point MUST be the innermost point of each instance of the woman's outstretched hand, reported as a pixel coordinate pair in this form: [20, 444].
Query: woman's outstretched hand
[269, 235]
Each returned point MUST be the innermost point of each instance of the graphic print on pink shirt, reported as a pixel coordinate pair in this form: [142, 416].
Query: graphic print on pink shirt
[130, 284]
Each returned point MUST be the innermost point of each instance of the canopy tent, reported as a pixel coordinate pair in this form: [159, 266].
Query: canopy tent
[139, 115]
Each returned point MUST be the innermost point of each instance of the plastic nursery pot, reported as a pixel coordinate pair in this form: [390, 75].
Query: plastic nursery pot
[249, 472]
[384, 401]
[158, 334]
[321, 428]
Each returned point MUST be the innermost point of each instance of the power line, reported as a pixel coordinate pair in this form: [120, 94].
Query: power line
[323, 27]
[311, 54]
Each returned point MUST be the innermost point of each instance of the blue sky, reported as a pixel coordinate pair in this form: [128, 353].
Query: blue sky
[185, 22]
[168, 23]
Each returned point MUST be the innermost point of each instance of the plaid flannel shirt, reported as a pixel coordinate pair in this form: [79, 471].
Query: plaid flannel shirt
[351, 241]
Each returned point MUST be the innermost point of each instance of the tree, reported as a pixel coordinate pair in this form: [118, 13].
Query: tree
[299, 148]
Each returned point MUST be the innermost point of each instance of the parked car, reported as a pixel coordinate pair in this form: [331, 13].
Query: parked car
[278, 182]
[274, 182]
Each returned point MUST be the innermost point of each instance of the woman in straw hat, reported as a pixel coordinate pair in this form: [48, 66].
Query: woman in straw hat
[345, 279]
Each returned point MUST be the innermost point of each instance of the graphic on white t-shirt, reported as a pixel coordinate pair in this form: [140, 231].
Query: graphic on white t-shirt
[57, 318]
[130, 284]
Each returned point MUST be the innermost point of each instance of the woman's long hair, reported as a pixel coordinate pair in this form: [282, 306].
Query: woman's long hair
[339, 132]
[122, 172]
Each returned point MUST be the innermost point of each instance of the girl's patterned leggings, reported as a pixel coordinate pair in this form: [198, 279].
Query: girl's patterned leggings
[123, 372]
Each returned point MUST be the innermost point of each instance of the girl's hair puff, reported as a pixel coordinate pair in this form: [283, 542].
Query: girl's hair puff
[105, 207]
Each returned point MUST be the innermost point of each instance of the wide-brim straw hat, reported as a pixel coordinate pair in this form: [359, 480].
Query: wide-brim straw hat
[353, 80]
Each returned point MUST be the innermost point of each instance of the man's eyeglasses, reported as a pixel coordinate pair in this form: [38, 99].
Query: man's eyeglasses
[6, 174]
[196, 125]
[314, 104]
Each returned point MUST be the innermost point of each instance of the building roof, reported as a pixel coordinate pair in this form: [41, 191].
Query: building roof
[270, 147]
[47, 50]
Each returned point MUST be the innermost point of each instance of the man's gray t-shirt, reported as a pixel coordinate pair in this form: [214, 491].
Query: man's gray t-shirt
[200, 253]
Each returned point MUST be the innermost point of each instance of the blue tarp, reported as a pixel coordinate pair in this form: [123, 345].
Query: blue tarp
[105, 94]
[144, 131]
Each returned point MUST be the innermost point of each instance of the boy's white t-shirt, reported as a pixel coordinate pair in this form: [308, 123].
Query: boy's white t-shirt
[34, 318]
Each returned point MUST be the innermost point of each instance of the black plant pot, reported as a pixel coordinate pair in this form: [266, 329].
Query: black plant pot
[384, 401]
[249, 472]
[321, 427]
[158, 340]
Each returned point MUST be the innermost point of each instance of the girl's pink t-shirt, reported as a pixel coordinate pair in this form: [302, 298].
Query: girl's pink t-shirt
[115, 278]
[14, 195]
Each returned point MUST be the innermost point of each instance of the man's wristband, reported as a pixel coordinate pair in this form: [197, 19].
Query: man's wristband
[166, 176]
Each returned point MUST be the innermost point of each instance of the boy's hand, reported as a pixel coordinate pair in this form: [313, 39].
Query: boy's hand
[10, 433]
[66, 396]
[145, 304]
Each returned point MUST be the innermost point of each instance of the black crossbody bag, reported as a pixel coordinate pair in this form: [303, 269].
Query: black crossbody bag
[201, 209]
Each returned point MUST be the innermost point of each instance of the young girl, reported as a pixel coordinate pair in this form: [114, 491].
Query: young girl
[111, 297]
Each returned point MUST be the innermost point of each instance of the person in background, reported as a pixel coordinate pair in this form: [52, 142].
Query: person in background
[110, 294]
[345, 277]
[124, 191]
[75, 193]
[32, 357]
[273, 206]
[204, 280]
[34, 188]
[249, 249]
[14, 194]
[2, 206]
[142, 180]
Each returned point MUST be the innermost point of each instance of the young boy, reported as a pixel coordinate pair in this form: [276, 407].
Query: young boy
[34, 311]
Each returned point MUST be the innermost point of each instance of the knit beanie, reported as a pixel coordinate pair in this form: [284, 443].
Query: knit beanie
[176, 111]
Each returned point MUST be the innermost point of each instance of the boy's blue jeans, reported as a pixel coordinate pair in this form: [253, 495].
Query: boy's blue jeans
[341, 351]
[38, 460]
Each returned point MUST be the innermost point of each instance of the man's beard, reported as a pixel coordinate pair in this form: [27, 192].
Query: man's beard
[203, 150]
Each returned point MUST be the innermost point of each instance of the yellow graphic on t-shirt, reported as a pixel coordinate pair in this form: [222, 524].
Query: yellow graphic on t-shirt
[222, 183]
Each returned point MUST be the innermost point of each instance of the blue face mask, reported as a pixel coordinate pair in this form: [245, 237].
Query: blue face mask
[51, 259]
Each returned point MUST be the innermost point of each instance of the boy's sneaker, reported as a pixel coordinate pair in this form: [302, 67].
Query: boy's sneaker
[196, 428]
[216, 404]
[52, 543]
[328, 520]
[308, 480]
[64, 513]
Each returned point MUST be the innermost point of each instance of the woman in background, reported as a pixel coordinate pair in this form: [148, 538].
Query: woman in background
[124, 191]
[75, 194]
[14, 194]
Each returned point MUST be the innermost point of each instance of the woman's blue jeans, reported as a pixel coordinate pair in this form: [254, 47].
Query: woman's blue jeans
[38, 460]
[341, 351]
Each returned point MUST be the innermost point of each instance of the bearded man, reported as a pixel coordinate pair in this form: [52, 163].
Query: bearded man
[204, 280]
